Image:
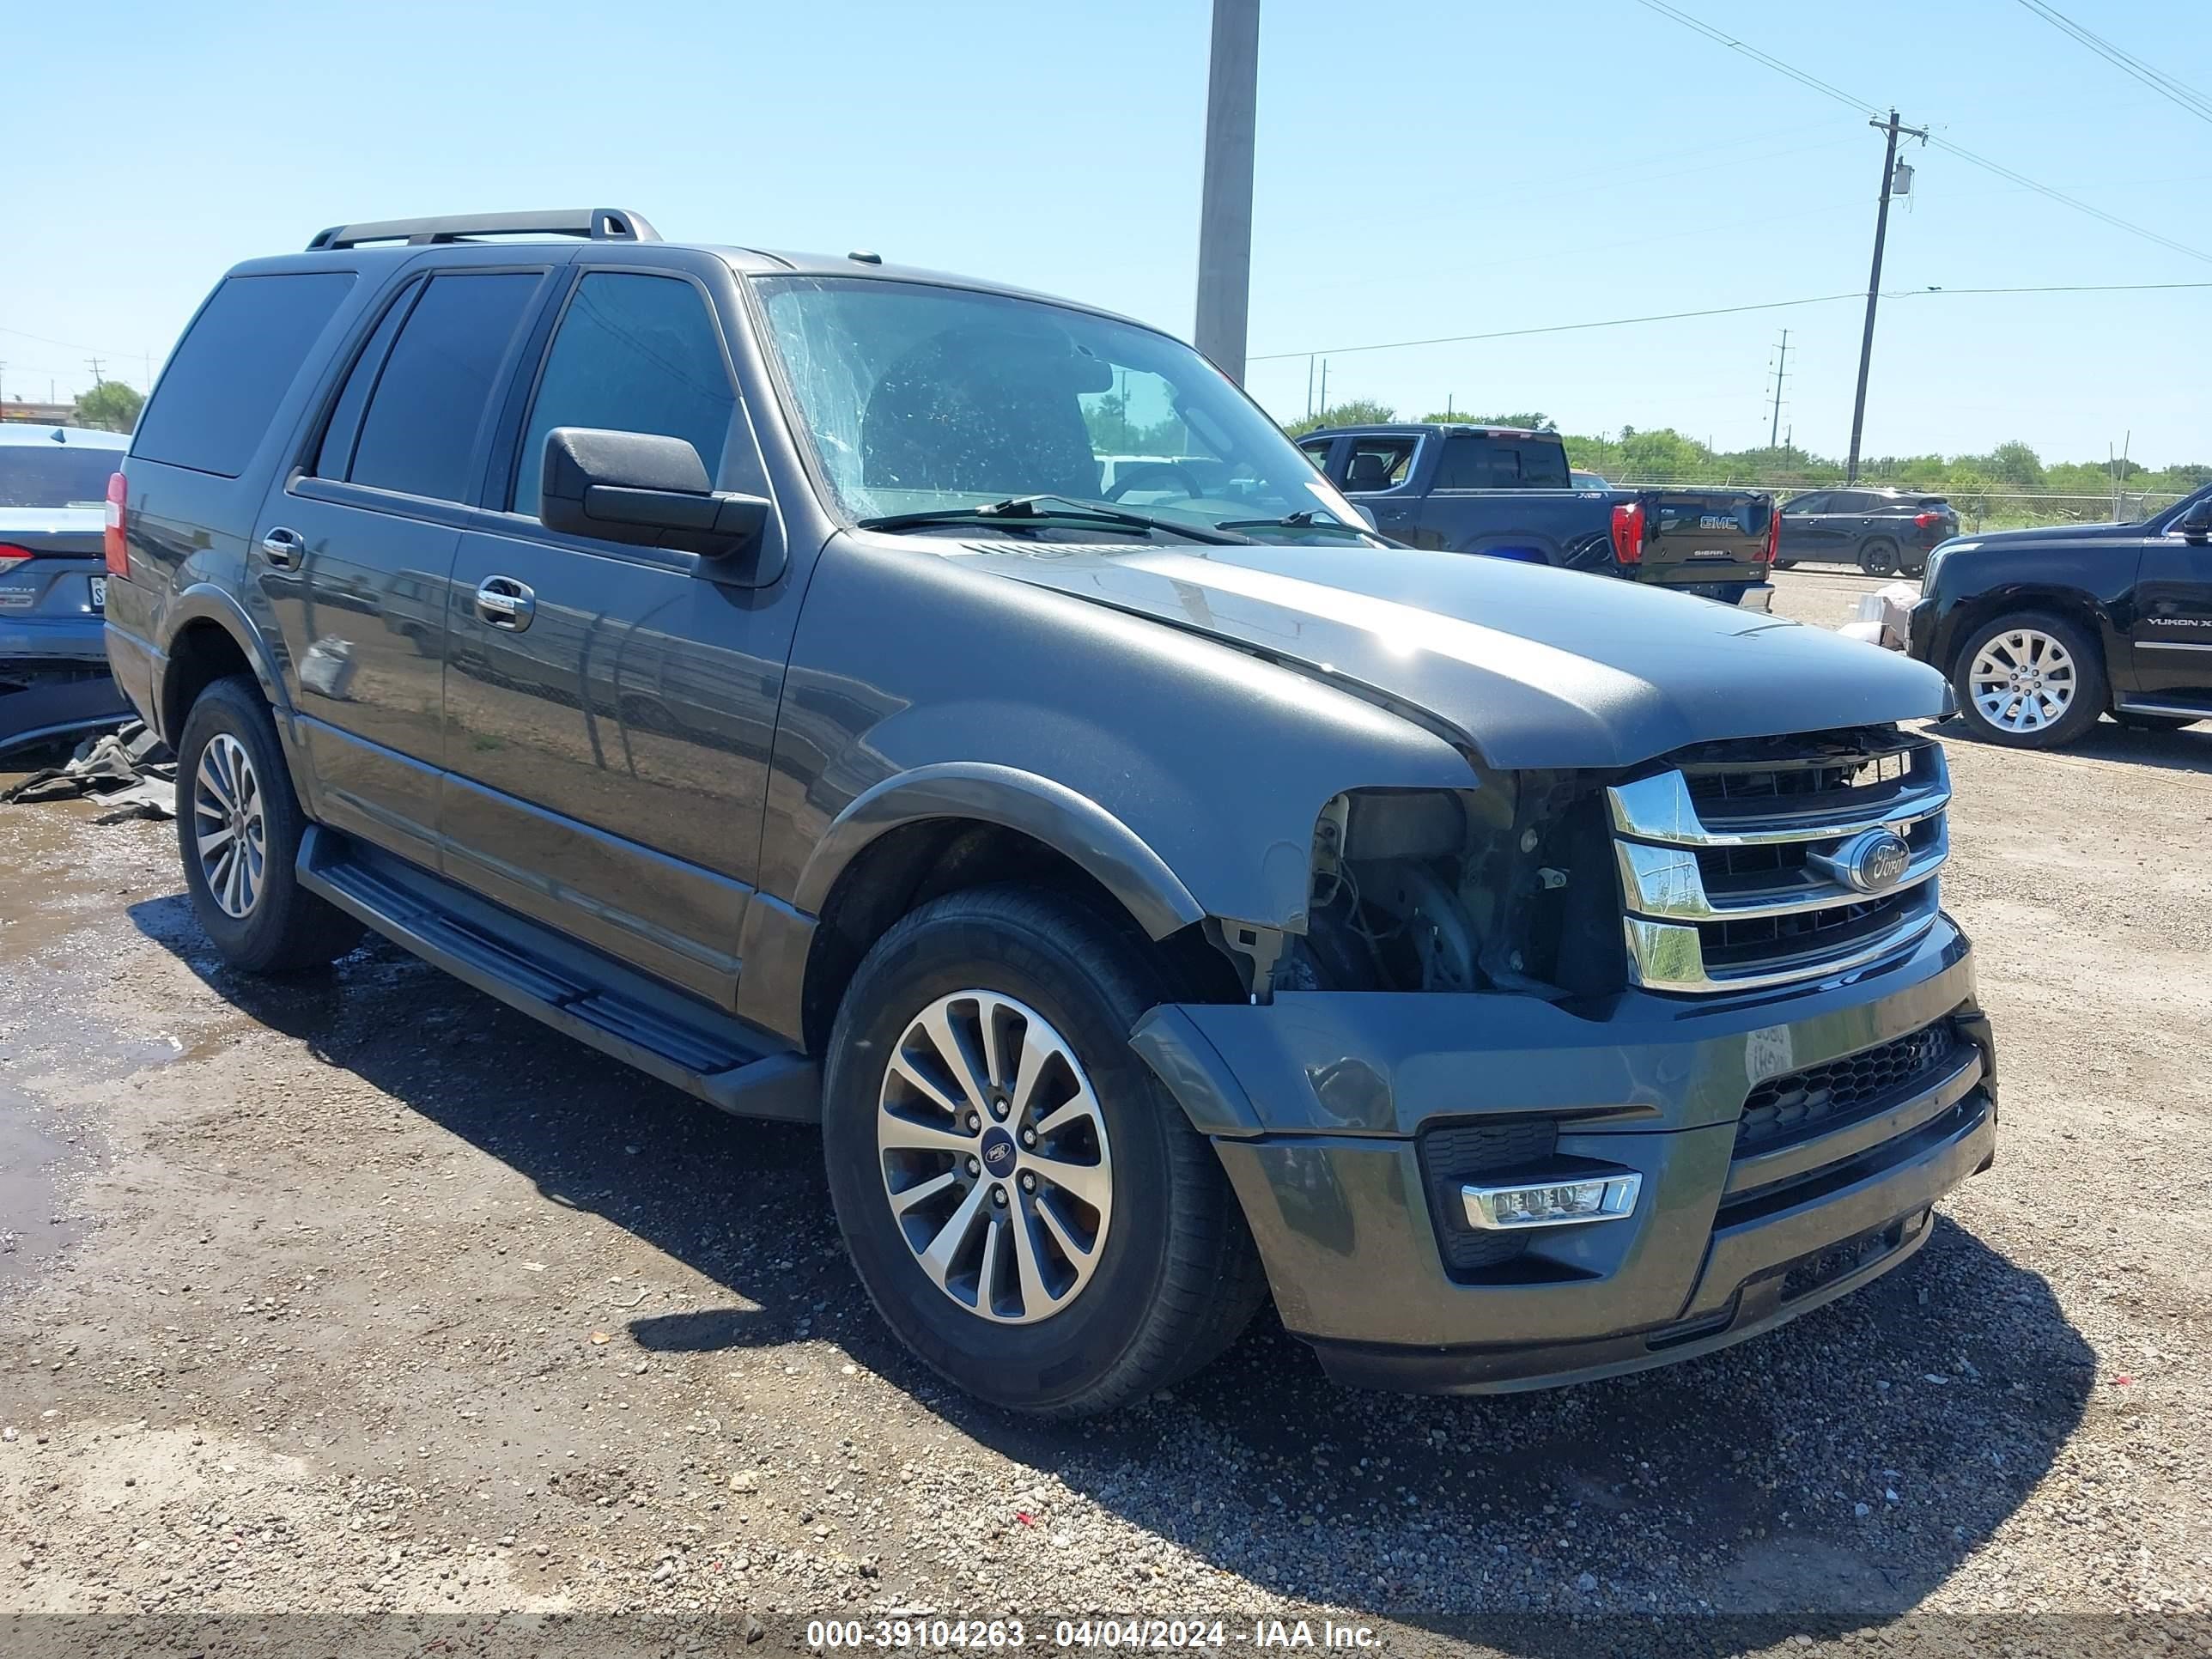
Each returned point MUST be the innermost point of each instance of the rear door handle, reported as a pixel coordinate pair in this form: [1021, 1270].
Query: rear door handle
[283, 548]
[503, 602]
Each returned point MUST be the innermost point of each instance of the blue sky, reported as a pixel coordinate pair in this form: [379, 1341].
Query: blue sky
[1425, 167]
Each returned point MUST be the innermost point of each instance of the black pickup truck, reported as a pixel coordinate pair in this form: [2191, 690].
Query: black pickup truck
[1507, 492]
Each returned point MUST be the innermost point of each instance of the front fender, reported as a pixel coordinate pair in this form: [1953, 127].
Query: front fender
[1107, 850]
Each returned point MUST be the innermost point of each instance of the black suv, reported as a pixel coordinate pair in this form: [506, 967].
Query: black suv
[2041, 631]
[1161, 891]
[1881, 531]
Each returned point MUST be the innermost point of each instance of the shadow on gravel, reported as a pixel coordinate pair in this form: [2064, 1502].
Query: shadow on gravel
[1826, 1477]
[2189, 750]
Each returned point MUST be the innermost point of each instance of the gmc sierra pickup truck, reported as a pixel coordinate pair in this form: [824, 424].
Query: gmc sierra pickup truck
[1508, 492]
[733, 661]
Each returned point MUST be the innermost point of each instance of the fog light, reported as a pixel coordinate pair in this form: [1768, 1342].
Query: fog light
[1551, 1203]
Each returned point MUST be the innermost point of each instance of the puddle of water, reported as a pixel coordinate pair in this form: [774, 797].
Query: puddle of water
[32, 1162]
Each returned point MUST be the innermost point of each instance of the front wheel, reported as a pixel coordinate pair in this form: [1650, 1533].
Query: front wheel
[1029, 1209]
[2029, 681]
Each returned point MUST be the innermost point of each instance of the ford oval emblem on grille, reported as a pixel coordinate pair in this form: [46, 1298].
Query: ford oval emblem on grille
[1873, 862]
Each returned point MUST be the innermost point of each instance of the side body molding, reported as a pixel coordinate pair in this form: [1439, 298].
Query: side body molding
[1106, 849]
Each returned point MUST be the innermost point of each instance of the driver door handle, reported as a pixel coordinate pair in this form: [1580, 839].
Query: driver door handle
[503, 602]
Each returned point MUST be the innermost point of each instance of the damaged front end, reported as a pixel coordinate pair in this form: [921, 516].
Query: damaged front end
[1570, 1072]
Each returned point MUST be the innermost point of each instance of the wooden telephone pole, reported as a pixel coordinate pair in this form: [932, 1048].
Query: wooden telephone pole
[1874, 282]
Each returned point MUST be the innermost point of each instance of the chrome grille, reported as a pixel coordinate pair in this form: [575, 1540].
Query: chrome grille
[1731, 863]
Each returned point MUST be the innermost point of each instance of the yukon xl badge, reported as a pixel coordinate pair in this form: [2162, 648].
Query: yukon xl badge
[1873, 862]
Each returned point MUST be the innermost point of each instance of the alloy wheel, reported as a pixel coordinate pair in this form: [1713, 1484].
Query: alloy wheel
[229, 825]
[2022, 680]
[994, 1157]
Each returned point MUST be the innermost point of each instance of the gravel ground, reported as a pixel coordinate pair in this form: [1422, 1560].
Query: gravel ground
[363, 1297]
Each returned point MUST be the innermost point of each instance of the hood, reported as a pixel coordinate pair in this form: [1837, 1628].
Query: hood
[1531, 666]
[2038, 534]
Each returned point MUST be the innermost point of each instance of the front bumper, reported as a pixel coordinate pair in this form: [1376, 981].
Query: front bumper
[1317, 1102]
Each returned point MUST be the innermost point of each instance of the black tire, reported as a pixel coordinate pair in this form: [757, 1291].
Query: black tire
[1176, 1276]
[2136, 722]
[1785, 564]
[2087, 699]
[1878, 557]
[285, 927]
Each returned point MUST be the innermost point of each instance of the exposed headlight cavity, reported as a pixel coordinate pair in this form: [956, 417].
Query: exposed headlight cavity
[1508, 886]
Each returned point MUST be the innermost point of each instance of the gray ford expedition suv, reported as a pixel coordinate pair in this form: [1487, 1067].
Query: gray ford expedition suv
[742, 663]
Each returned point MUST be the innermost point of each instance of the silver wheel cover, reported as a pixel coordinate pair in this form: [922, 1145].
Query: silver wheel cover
[228, 826]
[2022, 680]
[994, 1157]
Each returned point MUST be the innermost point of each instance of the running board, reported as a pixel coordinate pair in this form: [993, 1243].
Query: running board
[570, 987]
[2181, 711]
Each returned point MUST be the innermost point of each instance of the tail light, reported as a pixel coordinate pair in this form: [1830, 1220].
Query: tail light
[1628, 531]
[1926, 520]
[1773, 549]
[11, 556]
[114, 545]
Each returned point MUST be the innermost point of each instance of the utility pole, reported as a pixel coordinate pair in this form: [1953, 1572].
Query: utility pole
[1225, 214]
[1780, 370]
[92, 363]
[1309, 369]
[1324, 388]
[1874, 282]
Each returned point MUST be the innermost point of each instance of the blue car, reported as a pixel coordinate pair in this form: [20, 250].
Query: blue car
[54, 679]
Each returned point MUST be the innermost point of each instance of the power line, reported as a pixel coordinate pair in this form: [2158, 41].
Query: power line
[1717, 311]
[1562, 328]
[2164, 85]
[1827, 90]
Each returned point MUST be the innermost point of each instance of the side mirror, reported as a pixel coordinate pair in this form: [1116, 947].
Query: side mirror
[1367, 513]
[2196, 525]
[651, 491]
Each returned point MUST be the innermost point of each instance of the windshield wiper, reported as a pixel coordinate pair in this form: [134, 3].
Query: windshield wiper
[1038, 511]
[1305, 521]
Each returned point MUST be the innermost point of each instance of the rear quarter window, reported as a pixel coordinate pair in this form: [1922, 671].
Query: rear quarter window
[233, 367]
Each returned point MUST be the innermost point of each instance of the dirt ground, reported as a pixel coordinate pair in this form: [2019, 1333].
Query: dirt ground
[364, 1301]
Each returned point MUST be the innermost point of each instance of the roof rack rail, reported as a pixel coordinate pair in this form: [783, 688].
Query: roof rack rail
[599, 224]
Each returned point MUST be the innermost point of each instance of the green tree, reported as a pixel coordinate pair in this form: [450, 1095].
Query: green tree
[1534, 423]
[111, 406]
[2015, 466]
[1354, 411]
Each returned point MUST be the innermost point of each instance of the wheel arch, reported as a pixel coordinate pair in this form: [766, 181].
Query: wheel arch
[208, 636]
[2071, 603]
[939, 829]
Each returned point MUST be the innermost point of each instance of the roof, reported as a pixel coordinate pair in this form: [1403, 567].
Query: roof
[390, 240]
[16, 431]
[1417, 429]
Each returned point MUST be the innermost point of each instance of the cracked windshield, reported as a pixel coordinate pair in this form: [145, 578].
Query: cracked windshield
[934, 405]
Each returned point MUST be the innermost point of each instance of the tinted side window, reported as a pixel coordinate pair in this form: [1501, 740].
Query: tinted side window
[1815, 502]
[420, 432]
[335, 454]
[234, 367]
[1502, 463]
[633, 352]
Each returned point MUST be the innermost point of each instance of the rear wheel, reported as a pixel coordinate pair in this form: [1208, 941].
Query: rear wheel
[1785, 564]
[2029, 681]
[1029, 1209]
[1878, 557]
[239, 826]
